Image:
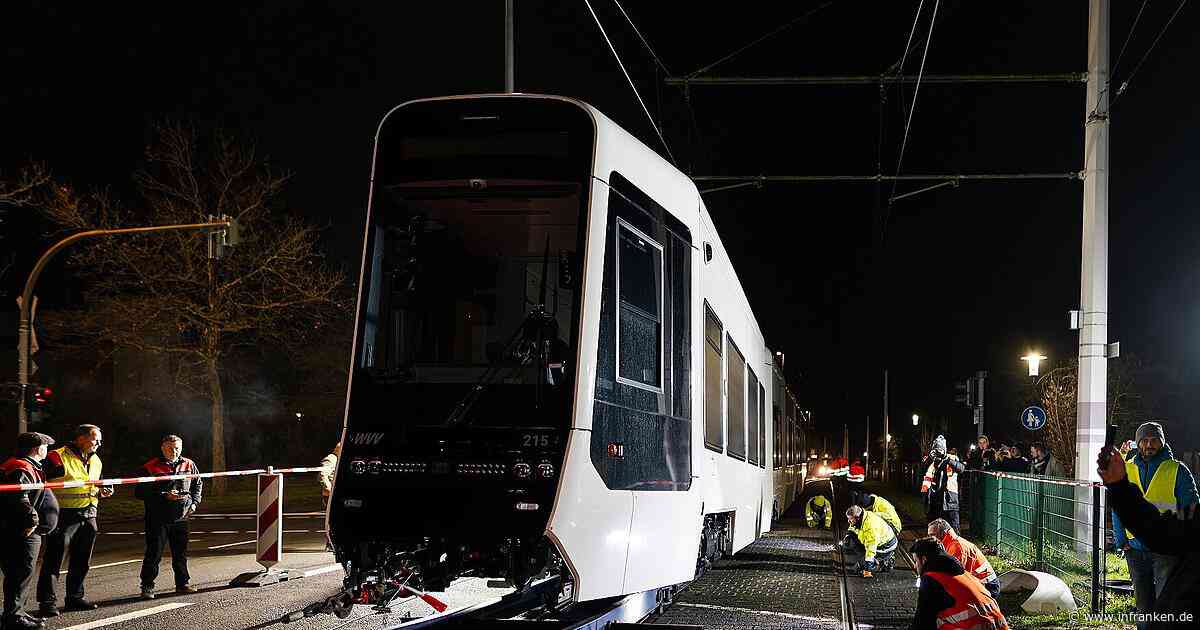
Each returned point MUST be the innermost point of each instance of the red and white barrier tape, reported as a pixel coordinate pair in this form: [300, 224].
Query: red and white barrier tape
[1057, 482]
[14, 487]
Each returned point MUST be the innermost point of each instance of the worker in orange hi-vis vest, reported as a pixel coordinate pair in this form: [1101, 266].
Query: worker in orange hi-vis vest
[949, 598]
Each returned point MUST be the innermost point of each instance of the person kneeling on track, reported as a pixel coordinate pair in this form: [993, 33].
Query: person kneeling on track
[817, 510]
[870, 543]
[968, 555]
[948, 598]
[882, 507]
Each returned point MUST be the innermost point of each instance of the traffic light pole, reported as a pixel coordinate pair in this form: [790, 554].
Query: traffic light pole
[24, 326]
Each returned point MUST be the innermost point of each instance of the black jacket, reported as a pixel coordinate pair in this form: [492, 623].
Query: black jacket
[940, 495]
[1163, 532]
[932, 598]
[27, 508]
[159, 508]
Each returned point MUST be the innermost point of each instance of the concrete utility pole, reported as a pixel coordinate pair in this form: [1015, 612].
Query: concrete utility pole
[1093, 333]
[509, 52]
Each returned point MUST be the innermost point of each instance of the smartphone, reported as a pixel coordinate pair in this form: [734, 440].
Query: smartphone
[1110, 434]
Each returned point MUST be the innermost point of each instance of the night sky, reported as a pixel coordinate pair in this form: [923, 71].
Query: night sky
[967, 278]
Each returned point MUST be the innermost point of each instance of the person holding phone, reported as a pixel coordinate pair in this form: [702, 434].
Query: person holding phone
[1161, 529]
[168, 506]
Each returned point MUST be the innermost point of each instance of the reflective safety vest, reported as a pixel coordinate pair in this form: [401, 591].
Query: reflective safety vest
[857, 473]
[886, 511]
[931, 475]
[973, 608]
[75, 470]
[1161, 491]
[969, 556]
[874, 533]
[839, 468]
[815, 508]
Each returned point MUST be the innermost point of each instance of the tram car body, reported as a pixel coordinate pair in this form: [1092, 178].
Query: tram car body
[555, 367]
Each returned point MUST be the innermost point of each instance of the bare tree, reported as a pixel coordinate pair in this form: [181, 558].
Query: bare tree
[19, 192]
[165, 294]
[1057, 391]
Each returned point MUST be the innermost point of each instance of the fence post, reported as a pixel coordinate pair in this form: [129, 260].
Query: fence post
[1097, 549]
[999, 513]
[1040, 524]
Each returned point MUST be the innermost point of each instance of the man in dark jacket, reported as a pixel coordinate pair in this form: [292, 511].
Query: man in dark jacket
[947, 592]
[168, 506]
[26, 516]
[1161, 532]
[940, 485]
[1044, 462]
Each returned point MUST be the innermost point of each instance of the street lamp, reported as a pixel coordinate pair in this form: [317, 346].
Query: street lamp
[1033, 359]
[299, 416]
[916, 419]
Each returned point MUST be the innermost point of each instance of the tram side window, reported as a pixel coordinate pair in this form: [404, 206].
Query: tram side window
[714, 434]
[735, 397]
[762, 426]
[639, 319]
[778, 449]
[752, 417]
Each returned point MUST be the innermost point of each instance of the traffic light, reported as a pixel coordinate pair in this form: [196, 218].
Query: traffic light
[965, 392]
[37, 402]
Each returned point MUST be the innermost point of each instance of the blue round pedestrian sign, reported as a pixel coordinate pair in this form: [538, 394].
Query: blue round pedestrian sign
[1033, 418]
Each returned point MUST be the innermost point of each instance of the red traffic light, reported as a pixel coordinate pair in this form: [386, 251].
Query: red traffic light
[41, 395]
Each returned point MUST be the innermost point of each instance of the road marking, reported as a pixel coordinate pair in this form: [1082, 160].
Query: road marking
[297, 531]
[223, 531]
[742, 610]
[248, 515]
[127, 616]
[324, 569]
[236, 544]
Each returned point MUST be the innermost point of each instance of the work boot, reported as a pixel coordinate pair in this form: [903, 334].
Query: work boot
[147, 592]
[22, 622]
[185, 589]
[79, 603]
[47, 610]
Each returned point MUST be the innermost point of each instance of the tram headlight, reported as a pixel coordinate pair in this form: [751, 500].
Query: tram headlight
[521, 470]
[358, 467]
[545, 470]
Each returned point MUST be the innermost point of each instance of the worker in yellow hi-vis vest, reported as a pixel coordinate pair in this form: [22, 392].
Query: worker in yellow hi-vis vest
[76, 533]
[818, 512]
[1168, 484]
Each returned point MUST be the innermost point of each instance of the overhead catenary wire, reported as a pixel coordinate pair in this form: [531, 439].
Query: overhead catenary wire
[641, 37]
[630, 80]
[1128, 38]
[908, 122]
[1138, 66]
[789, 24]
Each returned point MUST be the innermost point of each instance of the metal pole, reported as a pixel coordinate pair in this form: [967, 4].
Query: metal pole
[1097, 525]
[887, 444]
[509, 45]
[1093, 334]
[24, 328]
[872, 80]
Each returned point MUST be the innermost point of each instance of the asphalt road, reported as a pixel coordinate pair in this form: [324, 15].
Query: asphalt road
[221, 547]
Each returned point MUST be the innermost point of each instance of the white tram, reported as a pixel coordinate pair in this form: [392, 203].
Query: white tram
[555, 366]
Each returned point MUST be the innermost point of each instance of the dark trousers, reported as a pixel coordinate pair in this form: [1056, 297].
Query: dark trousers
[17, 556]
[951, 516]
[1149, 572]
[159, 534]
[75, 537]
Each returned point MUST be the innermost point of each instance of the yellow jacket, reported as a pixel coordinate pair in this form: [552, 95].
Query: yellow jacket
[884, 508]
[872, 532]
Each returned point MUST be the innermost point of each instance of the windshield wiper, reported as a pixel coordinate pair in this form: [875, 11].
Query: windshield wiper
[530, 341]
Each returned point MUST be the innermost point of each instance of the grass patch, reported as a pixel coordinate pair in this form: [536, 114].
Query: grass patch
[301, 493]
[1074, 575]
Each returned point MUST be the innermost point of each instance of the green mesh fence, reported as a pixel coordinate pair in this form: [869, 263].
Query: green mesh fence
[1039, 525]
